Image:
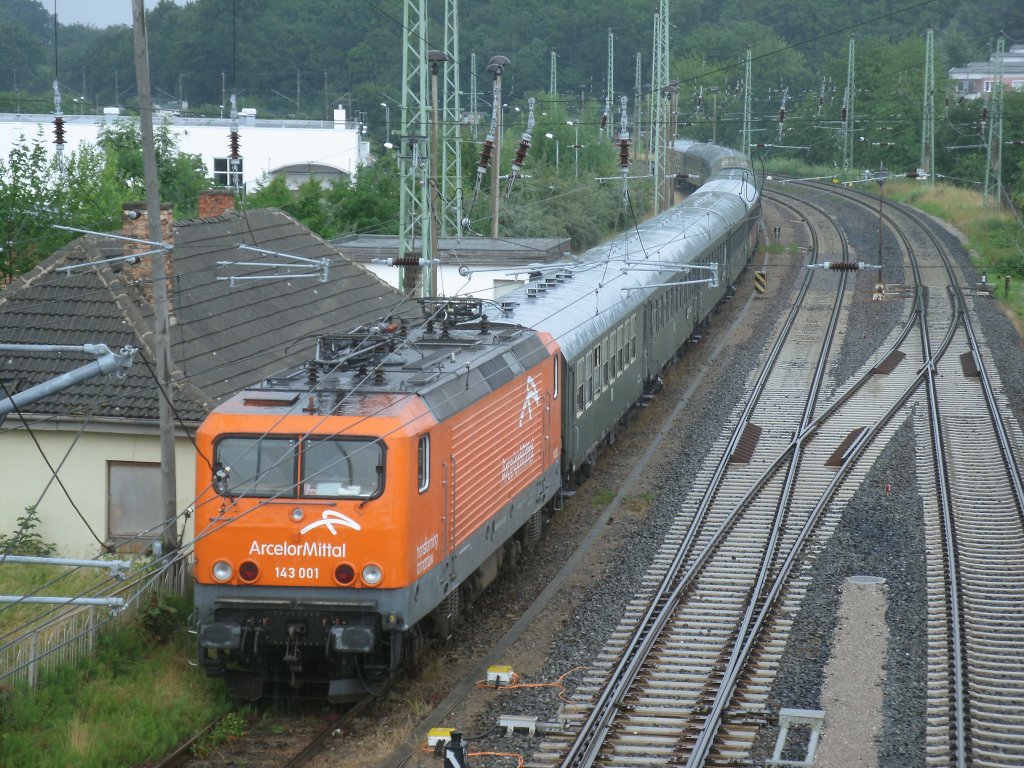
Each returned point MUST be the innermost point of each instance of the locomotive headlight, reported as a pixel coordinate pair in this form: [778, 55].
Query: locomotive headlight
[222, 570]
[296, 514]
[372, 574]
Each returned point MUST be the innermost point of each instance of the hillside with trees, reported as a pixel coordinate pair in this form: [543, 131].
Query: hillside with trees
[301, 58]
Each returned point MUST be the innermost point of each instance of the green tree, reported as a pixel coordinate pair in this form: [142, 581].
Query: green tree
[181, 176]
[370, 203]
[87, 192]
[28, 200]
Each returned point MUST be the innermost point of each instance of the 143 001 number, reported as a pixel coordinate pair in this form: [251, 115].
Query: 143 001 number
[290, 572]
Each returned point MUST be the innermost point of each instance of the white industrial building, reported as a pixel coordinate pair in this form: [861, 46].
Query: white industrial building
[297, 149]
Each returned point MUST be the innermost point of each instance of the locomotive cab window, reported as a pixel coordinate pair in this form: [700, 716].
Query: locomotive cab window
[423, 463]
[342, 468]
[255, 466]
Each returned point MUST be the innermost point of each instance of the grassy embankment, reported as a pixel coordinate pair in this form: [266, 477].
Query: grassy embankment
[135, 699]
[995, 239]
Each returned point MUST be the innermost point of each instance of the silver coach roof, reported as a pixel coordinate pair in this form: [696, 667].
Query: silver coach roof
[580, 309]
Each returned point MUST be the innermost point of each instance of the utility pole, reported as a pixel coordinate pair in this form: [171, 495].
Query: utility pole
[161, 336]
[638, 84]
[553, 85]
[473, 95]
[496, 66]
[436, 58]
[994, 153]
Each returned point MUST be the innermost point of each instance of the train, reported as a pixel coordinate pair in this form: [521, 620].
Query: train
[349, 510]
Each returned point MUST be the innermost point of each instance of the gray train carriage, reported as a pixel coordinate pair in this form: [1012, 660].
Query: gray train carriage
[623, 310]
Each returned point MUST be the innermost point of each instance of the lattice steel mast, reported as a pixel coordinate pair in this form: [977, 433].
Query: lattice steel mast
[413, 190]
[846, 116]
[747, 117]
[451, 132]
[659, 81]
[609, 92]
[928, 112]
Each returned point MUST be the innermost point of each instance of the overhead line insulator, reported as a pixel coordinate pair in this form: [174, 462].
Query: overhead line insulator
[485, 156]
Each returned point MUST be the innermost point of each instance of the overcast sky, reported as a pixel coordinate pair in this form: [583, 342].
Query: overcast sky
[98, 13]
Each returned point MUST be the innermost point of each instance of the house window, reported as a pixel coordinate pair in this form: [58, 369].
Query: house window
[133, 514]
[423, 463]
[224, 175]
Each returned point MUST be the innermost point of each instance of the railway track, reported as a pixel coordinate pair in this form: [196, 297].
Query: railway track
[681, 670]
[974, 508]
[272, 739]
[684, 679]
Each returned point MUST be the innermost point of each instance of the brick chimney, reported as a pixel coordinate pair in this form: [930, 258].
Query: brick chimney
[216, 202]
[135, 223]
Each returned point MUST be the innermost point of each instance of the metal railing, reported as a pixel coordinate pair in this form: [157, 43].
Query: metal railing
[72, 635]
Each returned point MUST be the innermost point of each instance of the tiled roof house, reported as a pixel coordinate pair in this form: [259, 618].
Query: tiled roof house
[102, 435]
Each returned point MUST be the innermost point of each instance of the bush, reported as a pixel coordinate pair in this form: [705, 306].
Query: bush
[26, 540]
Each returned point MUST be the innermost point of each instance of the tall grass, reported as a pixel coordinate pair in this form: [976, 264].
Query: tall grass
[48, 580]
[994, 237]
[132, 702]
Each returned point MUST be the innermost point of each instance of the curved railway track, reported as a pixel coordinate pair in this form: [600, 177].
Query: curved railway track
[280, 740]
[684, 679]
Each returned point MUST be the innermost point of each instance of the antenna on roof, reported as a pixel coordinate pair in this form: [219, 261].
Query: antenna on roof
[303, 263]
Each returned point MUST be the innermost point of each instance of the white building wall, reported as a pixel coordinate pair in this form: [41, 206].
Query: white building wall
[266, 146]
[83, 461]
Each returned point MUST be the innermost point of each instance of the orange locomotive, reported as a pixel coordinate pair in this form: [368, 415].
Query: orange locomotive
[347, 509]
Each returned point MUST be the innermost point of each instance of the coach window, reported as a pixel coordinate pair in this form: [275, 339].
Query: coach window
[580, 378]
[554, 378]
[604, 362]
[590, 377]
[632, 341]
[423, 463]
[597, 369]
[614, 352]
